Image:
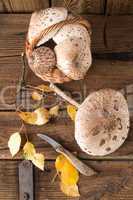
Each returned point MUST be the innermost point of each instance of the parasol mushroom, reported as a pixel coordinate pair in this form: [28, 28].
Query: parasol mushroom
[102, 121]
[71, 55]
[105, 124]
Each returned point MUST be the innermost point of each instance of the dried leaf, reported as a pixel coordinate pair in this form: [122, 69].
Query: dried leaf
[59, 163]
[38, 160]
[36, 96]
[39, 117]
[54, 111]
[45, 88]
[14, 143]
[42, 116]
[70, 190]
[69, 174]
[28, 117]
[29, 151]
[71, 110]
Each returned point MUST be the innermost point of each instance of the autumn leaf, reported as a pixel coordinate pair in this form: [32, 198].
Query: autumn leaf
[14, 143]
[69, 176]
[28, 117]
[38, 160]
[70, 190]
[29, 151]
[45, 88]
[36, 96]
[40, 116]
[59, 163]
[54, 111]
[71, 110]
[30, 154]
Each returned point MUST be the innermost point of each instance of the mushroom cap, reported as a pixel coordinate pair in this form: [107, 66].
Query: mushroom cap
[102, 122]
[73, 50]
[42, 61]
[43, 19]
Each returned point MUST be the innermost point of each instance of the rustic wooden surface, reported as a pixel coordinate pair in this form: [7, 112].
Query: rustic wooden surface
[119, 7]
[12, 6]
[110, 7]
[114, 181]
[109, 34]
[83, 6]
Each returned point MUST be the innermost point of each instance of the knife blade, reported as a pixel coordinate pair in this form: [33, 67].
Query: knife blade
[79, 165]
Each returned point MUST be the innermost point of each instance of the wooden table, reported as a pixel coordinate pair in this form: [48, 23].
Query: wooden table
[112, 46]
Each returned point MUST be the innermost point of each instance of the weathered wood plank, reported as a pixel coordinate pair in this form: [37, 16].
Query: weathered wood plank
[10, 70]
[119, 7]
[83, 6]
[111, 34]
[61, 129]
[1, 6]
[105, 73]
[114, 182]
[23, 5]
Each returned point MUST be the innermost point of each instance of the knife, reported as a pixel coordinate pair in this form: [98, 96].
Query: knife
[79, 165]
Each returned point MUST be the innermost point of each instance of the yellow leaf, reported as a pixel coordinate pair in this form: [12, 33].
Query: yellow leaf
[29, 151]
[38, 160]
[54, 111]
[36, 96]
[70, 190]
[45, 88]
[59, 163]
[69, 174]
[42, 116]
[38, 117]
[28, 117]
[14, 143]
[71, 110]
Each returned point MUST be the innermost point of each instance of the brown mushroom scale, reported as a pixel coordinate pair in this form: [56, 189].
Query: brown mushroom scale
[102, 122]
[42, 61]
[70, 58]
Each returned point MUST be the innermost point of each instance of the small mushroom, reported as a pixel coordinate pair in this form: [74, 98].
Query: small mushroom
[102, 121]
[44, 56]
[72, 45]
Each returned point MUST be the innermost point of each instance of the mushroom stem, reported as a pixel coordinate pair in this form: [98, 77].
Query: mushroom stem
[63, 95]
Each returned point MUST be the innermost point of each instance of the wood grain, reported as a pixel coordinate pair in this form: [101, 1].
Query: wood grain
[109, 35]
[114, 182]
[83, 6]
[61, 129]
[119, 7]
[22, 5]
[104, 73]
[1, 6]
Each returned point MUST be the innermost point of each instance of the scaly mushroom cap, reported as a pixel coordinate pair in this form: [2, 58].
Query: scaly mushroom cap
[43, 19]
[102, 122]
[72, 50]
[44, 56]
